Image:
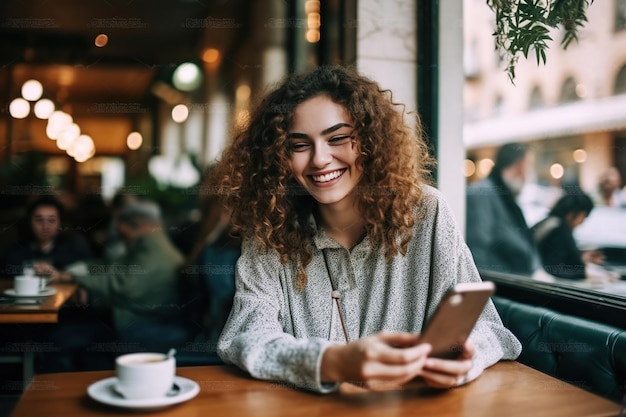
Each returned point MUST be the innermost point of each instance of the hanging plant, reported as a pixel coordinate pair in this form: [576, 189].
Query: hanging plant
[523, 26]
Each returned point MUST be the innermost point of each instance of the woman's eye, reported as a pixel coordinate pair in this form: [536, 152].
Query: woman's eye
[340, 140]
[300, 146]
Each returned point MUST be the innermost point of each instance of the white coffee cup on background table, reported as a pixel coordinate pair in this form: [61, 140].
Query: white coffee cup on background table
[144, 375]
[27, 285]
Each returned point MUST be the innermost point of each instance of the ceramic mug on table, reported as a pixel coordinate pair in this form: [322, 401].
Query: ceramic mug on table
[27, 285]
[144, 375]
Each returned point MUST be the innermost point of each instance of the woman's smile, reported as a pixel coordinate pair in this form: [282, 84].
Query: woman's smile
[327, 179]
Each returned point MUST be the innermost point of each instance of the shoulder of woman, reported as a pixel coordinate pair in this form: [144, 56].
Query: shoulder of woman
[252, 248]
[430, 192]
[432, 212]
[433, 199]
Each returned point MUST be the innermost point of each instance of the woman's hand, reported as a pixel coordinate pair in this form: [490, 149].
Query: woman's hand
[47, 270]
[593, 257]
[378, 362]
[599, 275]
[447, 373]
[54, 275]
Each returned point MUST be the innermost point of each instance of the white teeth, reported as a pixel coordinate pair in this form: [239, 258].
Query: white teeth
[327, 177]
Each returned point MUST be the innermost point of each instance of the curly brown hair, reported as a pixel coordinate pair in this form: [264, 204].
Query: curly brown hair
[254, 176]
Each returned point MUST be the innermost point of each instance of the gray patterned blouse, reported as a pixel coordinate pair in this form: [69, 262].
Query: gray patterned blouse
[276, 332]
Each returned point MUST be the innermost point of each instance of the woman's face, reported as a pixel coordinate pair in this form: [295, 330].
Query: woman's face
[575, 219]
[45, 223]
[324, 150]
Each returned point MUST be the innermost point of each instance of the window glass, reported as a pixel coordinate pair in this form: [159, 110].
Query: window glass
[620, 15]
[569, 91]
[546, 163]
[536, 99]
[620, 82]
[498, 108]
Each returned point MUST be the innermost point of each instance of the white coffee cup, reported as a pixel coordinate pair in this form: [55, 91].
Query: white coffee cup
[144, 375]
[26, 285]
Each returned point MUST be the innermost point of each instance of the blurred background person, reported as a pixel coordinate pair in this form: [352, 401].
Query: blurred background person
[557, 247]
[497, 233]
[609, 192]
[141, 286]
[43, 242]
[113, 245]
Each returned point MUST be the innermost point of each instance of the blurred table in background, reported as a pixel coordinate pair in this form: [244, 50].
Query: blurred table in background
[24, 310]
[42, 310]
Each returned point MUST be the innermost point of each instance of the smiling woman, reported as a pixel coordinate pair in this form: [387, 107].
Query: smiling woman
[346, 250]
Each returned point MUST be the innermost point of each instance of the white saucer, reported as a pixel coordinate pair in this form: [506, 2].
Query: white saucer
[43, 293]
[103, 392]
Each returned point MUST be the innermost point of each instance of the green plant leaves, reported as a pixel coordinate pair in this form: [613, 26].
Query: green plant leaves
[524, 25]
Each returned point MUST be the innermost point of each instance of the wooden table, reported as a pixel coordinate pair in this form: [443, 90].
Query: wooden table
[506, 389]
[45, 312]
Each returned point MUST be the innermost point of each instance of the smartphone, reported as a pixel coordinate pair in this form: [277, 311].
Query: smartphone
[455, 318]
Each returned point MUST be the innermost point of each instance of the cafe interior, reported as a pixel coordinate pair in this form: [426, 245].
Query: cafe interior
[118, 97]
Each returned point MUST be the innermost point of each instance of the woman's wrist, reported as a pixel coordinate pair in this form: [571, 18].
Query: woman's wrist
[331, 364]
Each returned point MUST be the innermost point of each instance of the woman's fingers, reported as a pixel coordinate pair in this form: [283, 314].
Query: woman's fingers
[377, 369]
[387, 377]
[439, 380]
[44, 268]
[390, 359]
[390, 354]
[445, 373]
[449, 367]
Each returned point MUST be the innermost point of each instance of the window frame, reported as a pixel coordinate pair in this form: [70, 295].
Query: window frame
[590, 304]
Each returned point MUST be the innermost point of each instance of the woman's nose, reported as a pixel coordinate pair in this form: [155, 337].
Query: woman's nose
[322, 156]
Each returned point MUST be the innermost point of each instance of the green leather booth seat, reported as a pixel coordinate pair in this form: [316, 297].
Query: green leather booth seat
[584, 353]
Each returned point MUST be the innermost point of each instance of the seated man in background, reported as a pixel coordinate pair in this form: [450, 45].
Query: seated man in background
[497, 233]
[141, 286]
[559, 252]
